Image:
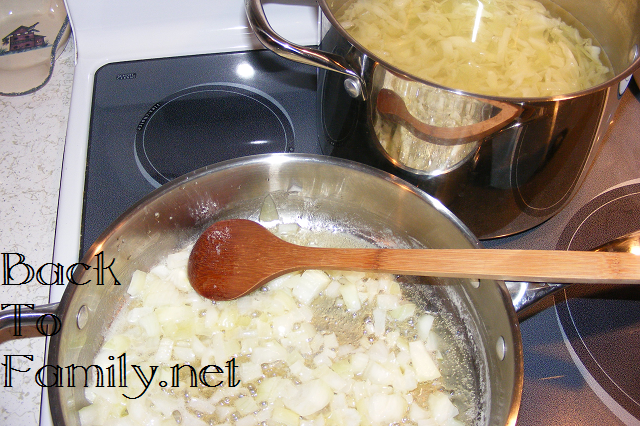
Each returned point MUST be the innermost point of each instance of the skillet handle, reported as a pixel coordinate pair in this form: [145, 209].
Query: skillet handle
[391, 105]
[305, 55]
[528, 298]
[28, 317]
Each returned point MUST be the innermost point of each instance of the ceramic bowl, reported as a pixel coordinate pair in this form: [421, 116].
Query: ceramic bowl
[33, 33]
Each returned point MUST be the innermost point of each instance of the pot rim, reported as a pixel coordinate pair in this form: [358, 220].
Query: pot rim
[627, 73]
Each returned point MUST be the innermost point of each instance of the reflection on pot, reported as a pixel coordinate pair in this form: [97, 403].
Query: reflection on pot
[410, 119]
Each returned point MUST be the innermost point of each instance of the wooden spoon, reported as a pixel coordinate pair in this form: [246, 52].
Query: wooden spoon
[233, 257]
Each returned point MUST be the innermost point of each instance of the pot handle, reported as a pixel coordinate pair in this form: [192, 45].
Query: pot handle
[391, 105]
[29, 317]
[305, 55]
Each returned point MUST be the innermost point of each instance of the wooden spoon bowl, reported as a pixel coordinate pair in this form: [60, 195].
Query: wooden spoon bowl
[233, 257]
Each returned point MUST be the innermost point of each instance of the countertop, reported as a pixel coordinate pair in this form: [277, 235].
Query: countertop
[32, 138]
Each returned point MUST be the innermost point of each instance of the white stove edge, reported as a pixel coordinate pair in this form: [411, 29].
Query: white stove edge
[299, 24]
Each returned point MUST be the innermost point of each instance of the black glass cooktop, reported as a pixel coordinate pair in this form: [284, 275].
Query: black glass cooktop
[154, 120]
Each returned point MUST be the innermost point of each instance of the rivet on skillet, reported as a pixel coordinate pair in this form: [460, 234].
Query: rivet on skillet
[83, 317]
[501, 348]
[633, 54]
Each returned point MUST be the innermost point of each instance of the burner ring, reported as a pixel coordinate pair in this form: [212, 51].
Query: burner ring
[601, 326]
[206, 124]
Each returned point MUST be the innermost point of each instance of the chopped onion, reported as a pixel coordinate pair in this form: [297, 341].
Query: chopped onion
[441, 408]
[379, 321]
[359, 362]
[309, 398]
[292, 370]
[268, 211]
[137, 283]
[308, 286]
[350, 296]
[285, 416]
[385, 408]
[426, 368]
[425, 322]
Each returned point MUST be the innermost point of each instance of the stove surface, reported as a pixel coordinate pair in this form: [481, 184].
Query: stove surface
[154, 120]
[580, 353]
[569, 377]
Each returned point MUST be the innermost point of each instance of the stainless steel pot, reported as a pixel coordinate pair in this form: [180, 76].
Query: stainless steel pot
[517, 162]
[317, 192]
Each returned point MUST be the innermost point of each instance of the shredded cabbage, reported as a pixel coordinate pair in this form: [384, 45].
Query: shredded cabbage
[511, 48]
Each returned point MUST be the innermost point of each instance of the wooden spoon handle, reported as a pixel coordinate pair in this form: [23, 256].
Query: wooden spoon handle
[234, 257]
[509, 265]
